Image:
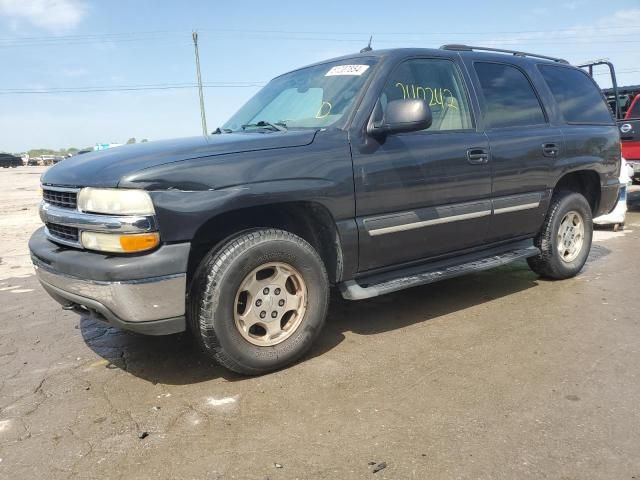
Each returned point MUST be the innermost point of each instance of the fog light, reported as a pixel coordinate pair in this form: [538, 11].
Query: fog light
[111, 242]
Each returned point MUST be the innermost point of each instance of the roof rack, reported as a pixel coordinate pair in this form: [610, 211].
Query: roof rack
[469, 48]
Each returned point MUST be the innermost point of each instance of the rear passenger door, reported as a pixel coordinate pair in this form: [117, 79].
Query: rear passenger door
[524, 149]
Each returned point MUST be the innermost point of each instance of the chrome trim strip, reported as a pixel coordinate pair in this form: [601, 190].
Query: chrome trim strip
[96, 223]
[426, 223]
[516, 208]
[60, 189]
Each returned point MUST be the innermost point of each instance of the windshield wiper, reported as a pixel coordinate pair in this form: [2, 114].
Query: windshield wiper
[278, 126]
[221, 130]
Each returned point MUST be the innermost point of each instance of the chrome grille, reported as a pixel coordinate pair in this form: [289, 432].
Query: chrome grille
[62, 232]
[60, 198]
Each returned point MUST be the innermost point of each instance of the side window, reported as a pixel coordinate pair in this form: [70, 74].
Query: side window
[509, 97]
[436, 81]
[579, 99]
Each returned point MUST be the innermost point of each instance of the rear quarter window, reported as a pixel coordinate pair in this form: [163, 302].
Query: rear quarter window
[579, 99]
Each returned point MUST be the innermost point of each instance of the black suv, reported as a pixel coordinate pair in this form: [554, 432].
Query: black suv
[371, 172]
[10, 161]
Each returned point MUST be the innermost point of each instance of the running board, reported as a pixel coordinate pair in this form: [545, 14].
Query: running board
[373, 287]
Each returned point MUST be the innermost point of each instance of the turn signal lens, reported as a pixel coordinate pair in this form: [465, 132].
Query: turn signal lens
[139, 243]
[111, 242]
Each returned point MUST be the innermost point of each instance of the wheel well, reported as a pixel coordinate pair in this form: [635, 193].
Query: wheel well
[586, 182]
[310, 221]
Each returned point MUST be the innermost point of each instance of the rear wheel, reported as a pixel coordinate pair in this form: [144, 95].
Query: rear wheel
[565, 238]
[259, 301]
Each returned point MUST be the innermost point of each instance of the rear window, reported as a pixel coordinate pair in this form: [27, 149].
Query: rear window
[634, 112]
[579, 99]
[509, 96]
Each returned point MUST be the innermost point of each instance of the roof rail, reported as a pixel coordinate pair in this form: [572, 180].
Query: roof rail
[469, 48]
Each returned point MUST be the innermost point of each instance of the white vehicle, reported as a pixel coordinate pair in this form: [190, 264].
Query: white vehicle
[617, 216]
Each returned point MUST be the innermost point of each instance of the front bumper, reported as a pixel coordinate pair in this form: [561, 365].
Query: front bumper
[143, 293]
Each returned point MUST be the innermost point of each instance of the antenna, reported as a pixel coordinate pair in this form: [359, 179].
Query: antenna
[368, 47]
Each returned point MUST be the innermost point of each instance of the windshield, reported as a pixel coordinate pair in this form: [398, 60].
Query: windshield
[312, 97]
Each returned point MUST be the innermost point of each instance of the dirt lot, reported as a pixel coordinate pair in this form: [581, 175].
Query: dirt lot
[494, 375]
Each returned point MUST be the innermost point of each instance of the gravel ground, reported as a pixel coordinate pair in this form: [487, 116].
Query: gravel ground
[493, 375]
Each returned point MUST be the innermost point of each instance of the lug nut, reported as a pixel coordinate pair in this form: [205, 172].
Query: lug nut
[281, 303]
[258, 302]
[263, 314]
[265, 291]
[277, 291]
[274, 314]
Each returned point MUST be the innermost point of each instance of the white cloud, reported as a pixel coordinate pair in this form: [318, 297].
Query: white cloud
[74, 72]
[540, 11]
[571, 5]
[610, 37]
[49, 14]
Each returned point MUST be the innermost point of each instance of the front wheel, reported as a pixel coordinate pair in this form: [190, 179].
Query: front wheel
[259, 301]
[565, 237]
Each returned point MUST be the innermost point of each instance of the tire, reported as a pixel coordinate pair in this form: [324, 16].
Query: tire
[215, 301]
[551, 263]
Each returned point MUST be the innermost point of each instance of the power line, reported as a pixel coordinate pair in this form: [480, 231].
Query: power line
[64, 40]
[130, 88]
[324, 32]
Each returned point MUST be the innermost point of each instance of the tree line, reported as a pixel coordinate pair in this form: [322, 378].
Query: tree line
[63, 152]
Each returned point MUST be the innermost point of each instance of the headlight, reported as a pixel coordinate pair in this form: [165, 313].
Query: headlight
[120, 243]
[115, 201]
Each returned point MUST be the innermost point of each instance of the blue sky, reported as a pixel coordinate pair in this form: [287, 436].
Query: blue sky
[61, 44]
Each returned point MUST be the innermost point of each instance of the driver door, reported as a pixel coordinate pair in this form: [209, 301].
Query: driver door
[426, 193]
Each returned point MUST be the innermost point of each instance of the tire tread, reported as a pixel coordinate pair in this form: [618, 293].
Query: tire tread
[202, 301]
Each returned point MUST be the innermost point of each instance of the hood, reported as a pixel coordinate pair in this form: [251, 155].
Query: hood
[107, 167]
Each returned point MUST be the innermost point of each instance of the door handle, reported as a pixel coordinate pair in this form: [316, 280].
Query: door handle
[477, 156]
[550, 150]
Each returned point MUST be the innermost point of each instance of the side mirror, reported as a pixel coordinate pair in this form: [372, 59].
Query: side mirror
[401, 116]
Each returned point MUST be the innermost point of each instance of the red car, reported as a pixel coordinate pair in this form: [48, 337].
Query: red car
[630, 134]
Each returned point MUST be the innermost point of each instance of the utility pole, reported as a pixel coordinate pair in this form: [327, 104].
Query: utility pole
[203, 116]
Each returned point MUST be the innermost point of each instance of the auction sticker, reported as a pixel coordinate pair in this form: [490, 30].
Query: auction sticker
[356, 70]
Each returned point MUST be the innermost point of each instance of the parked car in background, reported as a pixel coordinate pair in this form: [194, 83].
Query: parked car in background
[10, 161]
[630, 135]
[371, 172]
[628, 123]
[48, 159]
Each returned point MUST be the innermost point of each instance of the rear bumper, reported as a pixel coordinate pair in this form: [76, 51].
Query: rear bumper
[126, 297]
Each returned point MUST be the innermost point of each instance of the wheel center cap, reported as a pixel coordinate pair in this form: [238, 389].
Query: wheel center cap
[268, 303]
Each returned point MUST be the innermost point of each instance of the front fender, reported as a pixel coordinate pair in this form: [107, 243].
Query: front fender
[180, 214]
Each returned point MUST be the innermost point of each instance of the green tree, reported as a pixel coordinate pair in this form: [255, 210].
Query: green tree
[131, 140]
[144, 140]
